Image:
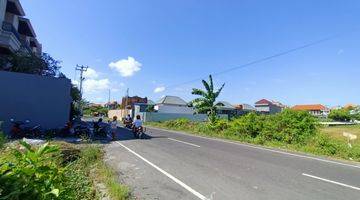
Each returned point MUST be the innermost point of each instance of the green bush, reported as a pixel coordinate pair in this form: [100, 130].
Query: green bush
[340, 115]
[290, 127]
[2, 140]
[37, 173]
[249, 125]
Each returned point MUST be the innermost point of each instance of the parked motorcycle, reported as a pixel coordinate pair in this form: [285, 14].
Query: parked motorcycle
[20, 129]
[99, 130]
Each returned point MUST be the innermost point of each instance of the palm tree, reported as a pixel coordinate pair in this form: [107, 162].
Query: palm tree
[206, 103]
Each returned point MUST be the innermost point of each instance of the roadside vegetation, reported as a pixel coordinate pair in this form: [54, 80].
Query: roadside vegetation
[289, 130]
[56, 171]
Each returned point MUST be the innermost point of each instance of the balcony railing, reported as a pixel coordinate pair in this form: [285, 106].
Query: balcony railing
[26, 46]
[6, 26]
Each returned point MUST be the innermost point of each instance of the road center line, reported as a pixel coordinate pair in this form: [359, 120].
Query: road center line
[261, 148]
[184, 142]
[330, 181]
[182, 184]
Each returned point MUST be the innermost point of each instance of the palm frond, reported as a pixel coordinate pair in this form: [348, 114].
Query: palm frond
[219, 91]
[211, 83]
[199, 92]
[207, 87]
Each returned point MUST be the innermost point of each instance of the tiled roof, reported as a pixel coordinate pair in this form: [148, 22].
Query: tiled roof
[309, 107]
[264, 101]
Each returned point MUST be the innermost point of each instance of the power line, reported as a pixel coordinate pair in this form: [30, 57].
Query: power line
[263, 59]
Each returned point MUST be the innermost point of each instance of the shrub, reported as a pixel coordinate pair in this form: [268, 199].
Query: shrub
[290, 126]
[249, 125]
[340, 115]
[2, 140]
[38, 173]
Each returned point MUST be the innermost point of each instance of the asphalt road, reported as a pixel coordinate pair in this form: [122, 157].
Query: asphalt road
[172, 165]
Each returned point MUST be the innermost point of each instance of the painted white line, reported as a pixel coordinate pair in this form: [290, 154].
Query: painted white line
[184, 142]
[262, 148]
[182, 184]
[330, 181]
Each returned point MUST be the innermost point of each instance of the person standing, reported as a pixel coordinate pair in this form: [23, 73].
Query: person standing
[113, 126]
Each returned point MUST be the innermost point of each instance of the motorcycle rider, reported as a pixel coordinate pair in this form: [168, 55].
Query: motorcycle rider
[128, 121]
[137, 124]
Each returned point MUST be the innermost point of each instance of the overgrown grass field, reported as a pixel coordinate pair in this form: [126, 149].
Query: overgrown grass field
[337, 132]
[289, 130]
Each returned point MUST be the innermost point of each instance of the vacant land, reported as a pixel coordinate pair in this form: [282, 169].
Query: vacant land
[337, 131]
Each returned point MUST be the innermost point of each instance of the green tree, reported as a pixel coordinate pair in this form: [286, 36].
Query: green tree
[43, 65]
[340, 115]
[206, 103]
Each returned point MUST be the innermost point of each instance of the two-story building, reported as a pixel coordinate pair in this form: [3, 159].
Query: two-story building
[316, 110]
[265, 106]
[16, 31]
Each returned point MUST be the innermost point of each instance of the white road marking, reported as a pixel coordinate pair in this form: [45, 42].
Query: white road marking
[262, 148]
[330, 181]
[184, 142]
[182, 184]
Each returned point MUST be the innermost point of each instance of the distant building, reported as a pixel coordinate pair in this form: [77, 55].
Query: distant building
[128, 102]
[173, 104]
[242, 109]
[226, 109]
[350, 106]
[317, 110]
[112, 105]
[268, 107]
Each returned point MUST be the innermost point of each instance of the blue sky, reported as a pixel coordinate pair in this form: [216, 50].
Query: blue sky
[144, 45]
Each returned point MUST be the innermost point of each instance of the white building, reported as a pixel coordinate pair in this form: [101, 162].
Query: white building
[16, 31]
[173, 104]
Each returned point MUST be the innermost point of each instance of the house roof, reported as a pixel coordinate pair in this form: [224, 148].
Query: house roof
[309, 107]
[226, 105]
[245, 106]
[263, 101]
[350, 105]
[172, 100]
[150, 102]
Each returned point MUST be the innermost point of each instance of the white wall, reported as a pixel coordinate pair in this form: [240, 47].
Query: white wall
[162, 108]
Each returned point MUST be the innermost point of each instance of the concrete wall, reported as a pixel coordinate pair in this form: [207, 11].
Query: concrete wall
[120, 114]
[163, 108]
[160, 117]
[42, 100]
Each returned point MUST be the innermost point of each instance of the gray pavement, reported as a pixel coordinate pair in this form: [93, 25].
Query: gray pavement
[171, 165]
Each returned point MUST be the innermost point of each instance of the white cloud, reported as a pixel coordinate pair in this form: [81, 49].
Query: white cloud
[91, 74]
[92, 85]
[122, 84]
[159, 89]
[126, 67]
[74, 82]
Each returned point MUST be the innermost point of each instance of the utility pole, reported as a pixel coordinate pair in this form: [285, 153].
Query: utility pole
[82, 69]
[109, 98]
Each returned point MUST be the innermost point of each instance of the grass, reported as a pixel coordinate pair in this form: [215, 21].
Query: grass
[327, 142]
[91, 161]
[84, 166]
[337, 132]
